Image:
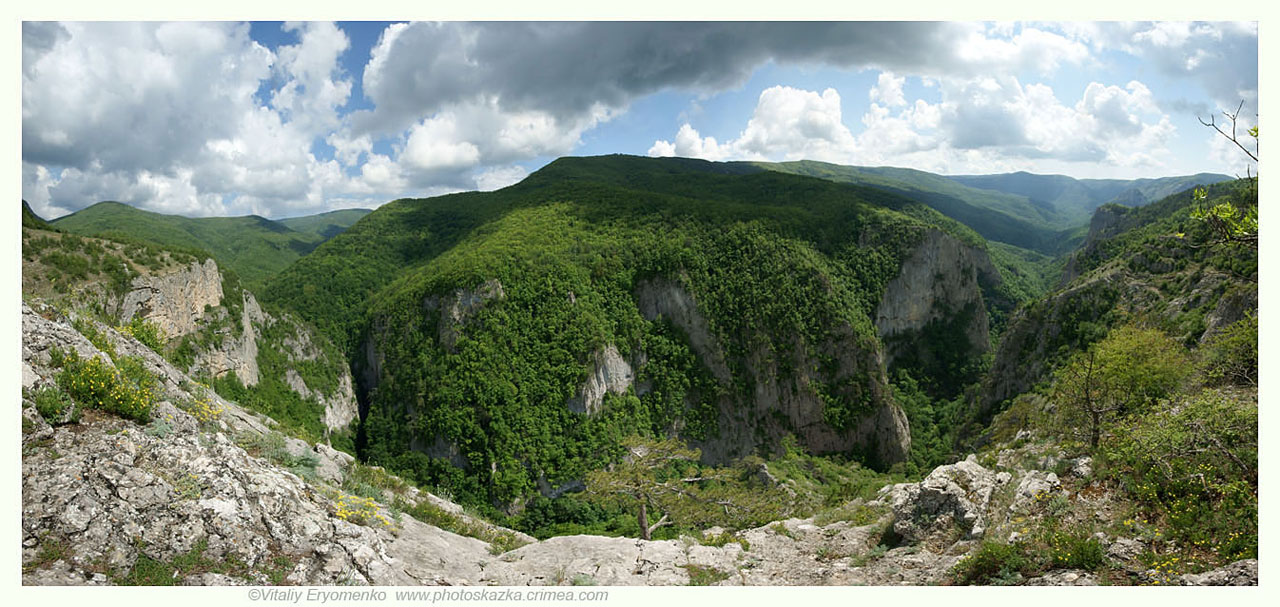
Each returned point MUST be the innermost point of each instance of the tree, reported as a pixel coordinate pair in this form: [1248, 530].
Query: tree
[1233, 219]
[640, 479]
[1129, 370]
[661, 476]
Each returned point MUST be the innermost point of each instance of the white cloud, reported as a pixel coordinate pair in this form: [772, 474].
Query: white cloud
[499, 177]
[314, 90]
[1031, 48]
[888, 90]
[138, 96]
[787, 124]
[175, 116]
[690, 144]
[436, 144]
[797, 124]
[981, 125]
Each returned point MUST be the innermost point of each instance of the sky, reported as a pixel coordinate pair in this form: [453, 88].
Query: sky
[287, 119]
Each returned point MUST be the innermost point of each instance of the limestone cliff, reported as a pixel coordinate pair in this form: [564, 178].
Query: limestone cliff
[212, 325]
[236, 351]
[779, 405]
[175, 301]
[937, 294]
[610, 373]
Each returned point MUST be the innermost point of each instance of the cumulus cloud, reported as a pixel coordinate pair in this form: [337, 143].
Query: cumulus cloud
[888, 90]
[167, 116]
[980, 125]
[136, 96]
[499, 177]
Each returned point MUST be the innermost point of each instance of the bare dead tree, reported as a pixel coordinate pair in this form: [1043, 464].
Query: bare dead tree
[1212, 123]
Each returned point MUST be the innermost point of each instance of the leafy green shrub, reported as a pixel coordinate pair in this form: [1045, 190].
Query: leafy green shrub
[1075, 550]
[145, 331]
[1193, 463]
[993, 563]
[202, 407]
[95, 337]
[359, 510]
[1231, 356]
[1130, 369]
[127, 391]
[53, 405]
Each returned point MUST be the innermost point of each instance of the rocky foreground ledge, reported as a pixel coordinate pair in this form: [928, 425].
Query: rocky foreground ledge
[225, 500]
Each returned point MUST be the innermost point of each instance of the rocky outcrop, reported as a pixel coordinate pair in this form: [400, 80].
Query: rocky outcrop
[1239, 573]
[1231, 308]
[953, 496]
[1107, 221]
[340, 405]
[939, 283]
[609, 373]
[1036, 333]
[175, 301]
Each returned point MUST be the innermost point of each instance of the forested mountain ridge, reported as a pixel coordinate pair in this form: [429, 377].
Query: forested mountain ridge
[1076, 199]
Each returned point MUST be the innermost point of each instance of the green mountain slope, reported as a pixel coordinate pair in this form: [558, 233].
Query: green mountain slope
[31, 220]
[325, 225]
[253, 247]
[723, 303]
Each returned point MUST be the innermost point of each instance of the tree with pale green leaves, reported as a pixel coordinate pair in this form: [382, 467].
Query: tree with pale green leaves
[1234, 218]
[1130, 369]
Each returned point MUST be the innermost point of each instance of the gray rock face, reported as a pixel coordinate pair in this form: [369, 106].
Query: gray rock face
[1024, 355]
[340, 405]
[938, 281]
[1230, 309]
[1036, 485]
[109, 491]
[237, 353]
[661, 297]
[458, 307]
[610, 373]
[1064, 578]
[743, 426]
[174, 301]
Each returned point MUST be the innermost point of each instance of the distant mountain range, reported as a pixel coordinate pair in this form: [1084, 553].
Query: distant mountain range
[1044, 213]
[254, 247]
